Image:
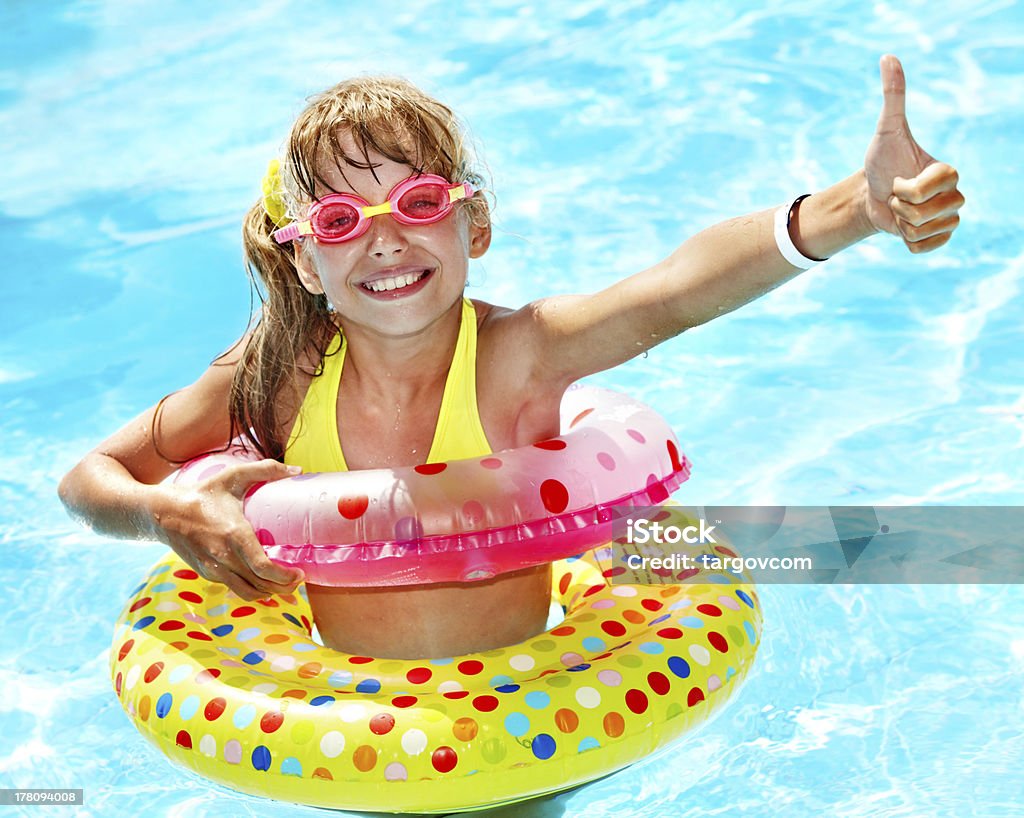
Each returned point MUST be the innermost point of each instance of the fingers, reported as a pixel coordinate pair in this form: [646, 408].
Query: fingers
[894, 90]
[934, 179]
[240, 479]
[926, 207]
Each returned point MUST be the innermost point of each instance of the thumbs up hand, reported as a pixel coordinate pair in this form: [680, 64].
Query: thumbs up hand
[909, 193]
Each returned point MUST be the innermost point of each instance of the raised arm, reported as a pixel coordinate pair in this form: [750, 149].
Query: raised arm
[901, 190]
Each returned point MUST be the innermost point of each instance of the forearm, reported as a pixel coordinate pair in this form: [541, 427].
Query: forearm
[736, 261]
[101, 493]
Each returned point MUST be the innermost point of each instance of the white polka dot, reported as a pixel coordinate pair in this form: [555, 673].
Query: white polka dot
[247, 634]
[414, 742]
[282, 663]
[132, 677]
[208, 746]
[588, 697]
[624, 590]
[352, 713]
[332, 744]
[449, 686]
[522, 661]
[729, 602]
[166, 605]
[700, 654]
[266, 688]
[395, 772]
[180, 673]
[713, 682]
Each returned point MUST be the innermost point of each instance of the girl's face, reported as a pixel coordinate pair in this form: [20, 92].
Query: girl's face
[395, 279]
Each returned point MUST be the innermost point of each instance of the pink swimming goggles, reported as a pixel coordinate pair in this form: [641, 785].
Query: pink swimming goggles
[342, 217]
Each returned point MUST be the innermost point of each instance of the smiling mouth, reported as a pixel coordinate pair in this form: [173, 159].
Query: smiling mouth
[399, 282]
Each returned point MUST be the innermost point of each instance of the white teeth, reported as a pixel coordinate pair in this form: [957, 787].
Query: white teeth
[385, 284]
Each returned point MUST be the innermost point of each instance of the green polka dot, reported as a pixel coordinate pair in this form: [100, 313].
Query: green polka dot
[202, 653]
[674, 710]
[736, 636]
[494, 750]
[237, 681]
[630, 660]
[390, 667]
[585, 617]
[542, 645]
[558, 681]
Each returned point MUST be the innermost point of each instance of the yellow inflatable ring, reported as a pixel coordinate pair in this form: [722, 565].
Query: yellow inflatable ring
[240, 693]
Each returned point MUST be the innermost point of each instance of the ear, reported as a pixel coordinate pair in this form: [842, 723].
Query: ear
[479, 239]
[307, 270]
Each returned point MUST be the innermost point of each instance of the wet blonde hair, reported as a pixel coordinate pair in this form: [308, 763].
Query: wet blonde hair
[387, 115]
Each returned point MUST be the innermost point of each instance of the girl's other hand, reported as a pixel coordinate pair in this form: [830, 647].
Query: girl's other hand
[205, 526]
[909, 193]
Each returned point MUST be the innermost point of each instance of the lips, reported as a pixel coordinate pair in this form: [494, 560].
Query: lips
[396, 282]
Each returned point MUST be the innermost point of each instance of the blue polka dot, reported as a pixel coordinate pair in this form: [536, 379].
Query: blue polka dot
[368, 686]
[189, 707]
[691, 622]
[340, 678]
[218, 610]
[243, 716]
[222, 630]
[742, 595]
[255, 657]
[517, 724]
[318, 701]
[145, 622]
[679, 666]
[588, 743]
[751, 635]
[445, 661]
[729, 673]
[305, 647]
[537, 699]
[163, 705]
[160, 587]
[501, 679]
[133, 593]
[293, 620]
[578, 668]
[543, 746]
[593, 644]
[653, 648]
[509, 688]
[261, 758]
[163, 569]
[291, 766]
[247, 634]
[660, 619]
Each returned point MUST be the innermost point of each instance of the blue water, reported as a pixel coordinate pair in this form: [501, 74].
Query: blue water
[134, 137]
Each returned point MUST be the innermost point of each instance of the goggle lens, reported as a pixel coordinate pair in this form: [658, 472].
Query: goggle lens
[335, 220]
[424, 203]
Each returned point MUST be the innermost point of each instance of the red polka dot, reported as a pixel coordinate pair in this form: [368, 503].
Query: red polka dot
[360, 660]
[470, 667]
[594, 589]
[618, 570]
[117, 683]
[636, 435]
[651, 604]
[718, 642]
[183, 739]
[554, 495]
[268, 603]
[563, 630]
[265, 537]
[659, 682]
[153, 671]
[694, 696]
[207, 675]
[709, 609]
[186, 573]
[418, 675]
[474, 513]
[271, 721]
[403, 701]
[563, 583]
[199, 636]
[141, 603]
[655, 490]
[352, 508]
[580, 416]
[673, 454]
[249, 492]
[456, 694]
[172, 625]
[721, 549]
[444, 759]
[382, 723]
[613, 628]
[430, 468]
[682, 576]
[190, 596]
[125, 648]
[491, 463]
[485, 704]
[215, 708]
[553, 445]
[636, 700]
[244, 610]
[606, 460]
[670, 633]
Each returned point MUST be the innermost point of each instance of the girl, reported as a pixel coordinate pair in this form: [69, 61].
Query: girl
[367, 354]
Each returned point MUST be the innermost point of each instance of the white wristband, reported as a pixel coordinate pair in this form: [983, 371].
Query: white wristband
[784, 241]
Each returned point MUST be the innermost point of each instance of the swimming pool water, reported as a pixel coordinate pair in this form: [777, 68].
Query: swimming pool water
[135, 136]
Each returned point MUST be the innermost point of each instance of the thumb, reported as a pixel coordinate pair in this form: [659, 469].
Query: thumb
[247, 477]
[894, 92]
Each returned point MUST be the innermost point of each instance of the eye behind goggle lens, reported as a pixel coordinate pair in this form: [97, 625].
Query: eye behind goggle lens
[424, 203]
[335, 220]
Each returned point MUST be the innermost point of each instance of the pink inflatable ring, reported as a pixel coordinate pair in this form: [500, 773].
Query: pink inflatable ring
[465, 520]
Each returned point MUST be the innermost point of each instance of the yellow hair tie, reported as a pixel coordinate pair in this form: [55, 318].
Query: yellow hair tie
[273, 199]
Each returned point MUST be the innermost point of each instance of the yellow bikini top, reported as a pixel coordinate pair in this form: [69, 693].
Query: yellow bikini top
[314, 441]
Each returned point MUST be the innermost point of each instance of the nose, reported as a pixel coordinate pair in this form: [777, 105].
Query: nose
[386, 237]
